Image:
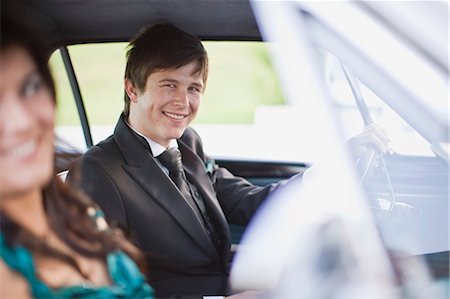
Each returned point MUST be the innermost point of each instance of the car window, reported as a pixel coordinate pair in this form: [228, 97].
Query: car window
[242, 104]
[68, 127]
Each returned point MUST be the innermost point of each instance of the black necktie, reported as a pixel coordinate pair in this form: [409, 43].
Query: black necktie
[171, 159]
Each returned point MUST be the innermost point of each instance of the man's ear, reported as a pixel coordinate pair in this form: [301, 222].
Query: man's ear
[131, 91]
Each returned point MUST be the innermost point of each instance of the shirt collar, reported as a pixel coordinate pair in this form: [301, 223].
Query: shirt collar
[157, 149]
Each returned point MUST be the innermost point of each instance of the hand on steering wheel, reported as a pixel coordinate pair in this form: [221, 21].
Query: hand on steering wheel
[371, 137]
[367, 146]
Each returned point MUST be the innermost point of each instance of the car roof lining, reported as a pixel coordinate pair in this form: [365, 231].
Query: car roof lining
[84, 21]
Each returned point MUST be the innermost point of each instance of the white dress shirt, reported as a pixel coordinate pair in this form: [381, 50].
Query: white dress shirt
[157, 149]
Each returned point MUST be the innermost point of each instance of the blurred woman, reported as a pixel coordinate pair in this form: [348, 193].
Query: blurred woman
[54, 242]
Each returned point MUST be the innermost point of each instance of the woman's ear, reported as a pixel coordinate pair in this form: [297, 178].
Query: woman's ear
[131, 91]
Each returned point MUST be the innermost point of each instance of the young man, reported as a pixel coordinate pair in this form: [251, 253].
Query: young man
[152, 177]
[178, 218]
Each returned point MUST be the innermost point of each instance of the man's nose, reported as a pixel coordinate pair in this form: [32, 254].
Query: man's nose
[182, 98]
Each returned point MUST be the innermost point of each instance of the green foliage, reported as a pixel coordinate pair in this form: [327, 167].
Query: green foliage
[240, 79]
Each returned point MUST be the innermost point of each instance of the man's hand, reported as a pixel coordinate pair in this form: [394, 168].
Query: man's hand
[371, 136]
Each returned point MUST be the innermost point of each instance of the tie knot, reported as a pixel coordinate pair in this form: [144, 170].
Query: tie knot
[171, 159]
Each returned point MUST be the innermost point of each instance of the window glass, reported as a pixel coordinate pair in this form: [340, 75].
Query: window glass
[242, 91]
[100, 69]
[240, 80]
[404, 139]
[68, 128]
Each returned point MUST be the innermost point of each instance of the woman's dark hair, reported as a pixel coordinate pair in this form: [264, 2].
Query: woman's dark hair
[69, 211]
[16, 34]
[160, 47]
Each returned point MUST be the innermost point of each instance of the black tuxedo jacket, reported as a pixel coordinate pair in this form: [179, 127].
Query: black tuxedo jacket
[122, 176]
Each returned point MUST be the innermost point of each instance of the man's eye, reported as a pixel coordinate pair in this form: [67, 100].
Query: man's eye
[195, 89]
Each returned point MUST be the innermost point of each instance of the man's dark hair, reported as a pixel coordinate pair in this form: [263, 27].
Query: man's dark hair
[160, 47]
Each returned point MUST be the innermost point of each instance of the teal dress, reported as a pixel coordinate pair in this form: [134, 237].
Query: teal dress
[128, 282]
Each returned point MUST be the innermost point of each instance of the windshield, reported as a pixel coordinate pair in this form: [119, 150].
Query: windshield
[404, 139]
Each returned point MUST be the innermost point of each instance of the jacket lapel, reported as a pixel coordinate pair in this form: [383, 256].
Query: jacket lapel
[196, 174]
[142, 167]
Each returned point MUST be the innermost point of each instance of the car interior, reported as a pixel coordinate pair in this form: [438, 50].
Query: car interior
[415, 184]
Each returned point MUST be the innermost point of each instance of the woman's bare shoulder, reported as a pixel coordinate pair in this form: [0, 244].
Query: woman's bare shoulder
[13, 285]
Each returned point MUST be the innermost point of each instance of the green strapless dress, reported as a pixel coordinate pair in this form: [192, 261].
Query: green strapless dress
[128, 281]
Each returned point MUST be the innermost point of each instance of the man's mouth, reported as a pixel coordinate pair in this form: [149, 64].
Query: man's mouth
[174, 116]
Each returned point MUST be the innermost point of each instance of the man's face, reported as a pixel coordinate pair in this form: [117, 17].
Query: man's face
[168, 104]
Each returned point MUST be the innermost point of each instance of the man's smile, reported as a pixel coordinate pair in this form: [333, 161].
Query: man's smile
[174, 116]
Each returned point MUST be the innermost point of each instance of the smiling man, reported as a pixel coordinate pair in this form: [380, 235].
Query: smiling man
[152, 177]
[168, 104]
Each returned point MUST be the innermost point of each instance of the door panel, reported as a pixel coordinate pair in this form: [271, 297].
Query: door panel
[259, 173]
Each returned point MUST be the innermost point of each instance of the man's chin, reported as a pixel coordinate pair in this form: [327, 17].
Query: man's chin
[176, 134]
